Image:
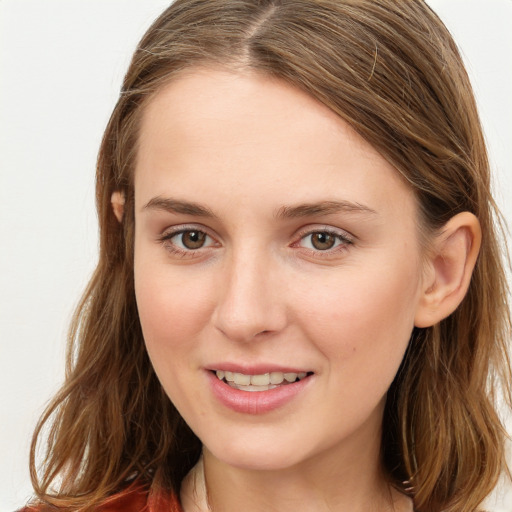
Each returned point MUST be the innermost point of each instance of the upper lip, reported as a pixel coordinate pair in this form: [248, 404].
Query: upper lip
[256, 369]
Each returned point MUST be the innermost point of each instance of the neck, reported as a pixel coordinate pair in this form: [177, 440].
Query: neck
[338, 480]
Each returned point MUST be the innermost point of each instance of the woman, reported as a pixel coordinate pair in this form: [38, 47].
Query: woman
[300, 301]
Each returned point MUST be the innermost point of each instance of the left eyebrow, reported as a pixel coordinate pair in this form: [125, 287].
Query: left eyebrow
[322, 208]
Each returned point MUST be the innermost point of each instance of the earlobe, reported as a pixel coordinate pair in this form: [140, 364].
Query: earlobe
[117, 200]
[454, 255]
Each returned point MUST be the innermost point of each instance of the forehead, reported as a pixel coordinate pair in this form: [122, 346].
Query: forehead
[255, 104]
[243, 132]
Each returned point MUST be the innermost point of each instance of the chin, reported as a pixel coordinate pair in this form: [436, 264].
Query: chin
[252, 455]
[271, 461]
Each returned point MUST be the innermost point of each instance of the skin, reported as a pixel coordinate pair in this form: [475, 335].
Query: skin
[247, 148]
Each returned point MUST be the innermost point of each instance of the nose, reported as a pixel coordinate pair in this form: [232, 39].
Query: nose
[251, 301]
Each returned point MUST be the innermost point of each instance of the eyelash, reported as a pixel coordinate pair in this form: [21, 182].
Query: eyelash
[342, 238]
[166, 240]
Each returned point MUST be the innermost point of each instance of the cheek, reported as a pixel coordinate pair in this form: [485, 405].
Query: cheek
[173, 313]
[363, 322]
[174, 308]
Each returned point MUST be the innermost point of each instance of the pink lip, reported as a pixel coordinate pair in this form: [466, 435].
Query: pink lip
[254, 369]
[255, 402]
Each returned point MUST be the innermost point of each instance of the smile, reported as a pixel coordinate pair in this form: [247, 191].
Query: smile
[261, 382]
[257, 391]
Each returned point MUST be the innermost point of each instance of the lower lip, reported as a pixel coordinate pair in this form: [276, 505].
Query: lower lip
[256, 402]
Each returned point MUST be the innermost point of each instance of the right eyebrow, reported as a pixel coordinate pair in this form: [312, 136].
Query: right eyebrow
[170, 205]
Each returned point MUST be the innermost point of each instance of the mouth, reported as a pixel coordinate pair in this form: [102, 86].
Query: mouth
[260, 382]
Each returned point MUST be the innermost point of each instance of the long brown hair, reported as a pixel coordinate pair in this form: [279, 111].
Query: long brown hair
[392, 71]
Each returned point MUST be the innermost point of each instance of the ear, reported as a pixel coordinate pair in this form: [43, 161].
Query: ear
[117, 200]
[453, 257]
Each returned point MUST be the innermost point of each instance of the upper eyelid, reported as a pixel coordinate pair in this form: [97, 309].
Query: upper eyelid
[181, 228]
[171, 231]
[164, 239]
[343, 233]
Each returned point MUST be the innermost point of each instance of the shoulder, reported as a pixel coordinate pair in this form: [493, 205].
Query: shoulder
[136, 498]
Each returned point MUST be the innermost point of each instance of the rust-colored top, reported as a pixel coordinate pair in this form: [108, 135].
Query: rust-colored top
[135, 498]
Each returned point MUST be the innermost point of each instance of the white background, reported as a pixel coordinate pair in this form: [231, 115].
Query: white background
[61, 65]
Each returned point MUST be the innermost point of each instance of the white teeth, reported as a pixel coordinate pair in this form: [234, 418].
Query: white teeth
[241, 380]
[276, 377]
[253, 388]
[259, 382]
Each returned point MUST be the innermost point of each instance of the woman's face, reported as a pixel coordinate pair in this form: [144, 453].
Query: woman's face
[272, 242]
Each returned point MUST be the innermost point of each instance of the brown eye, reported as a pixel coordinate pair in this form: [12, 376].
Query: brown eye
[193, 239]
[187, 242]
[322, 241]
